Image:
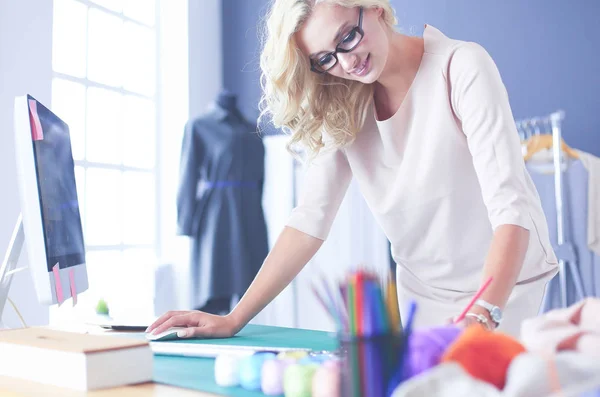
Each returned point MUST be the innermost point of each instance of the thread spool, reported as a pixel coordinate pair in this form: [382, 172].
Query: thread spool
[326, 380]
[272, 374]
[317, 358]
[227, 370]
[250, 370]
[484, 355]
[298, 379]
[426, 348]
[292, 354]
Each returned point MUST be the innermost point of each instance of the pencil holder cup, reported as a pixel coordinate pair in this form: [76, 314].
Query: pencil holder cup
[367, 364]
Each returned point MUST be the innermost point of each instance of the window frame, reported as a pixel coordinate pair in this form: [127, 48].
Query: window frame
[155, 170]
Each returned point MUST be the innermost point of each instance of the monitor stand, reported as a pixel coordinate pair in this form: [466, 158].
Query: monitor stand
[9, 264]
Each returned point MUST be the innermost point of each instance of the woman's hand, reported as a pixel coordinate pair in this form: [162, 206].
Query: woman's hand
[292, 250]
[470, 320]
[463, 323]
[199, 324]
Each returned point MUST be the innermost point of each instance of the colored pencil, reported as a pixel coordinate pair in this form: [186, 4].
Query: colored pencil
[337, 303]
[365, 310]
[412, 309]
[382, 320]
[392, 306]
[355, 347]
[398, 374]
[333, 313]
[373, 376]
[473, 300]
[359, 301]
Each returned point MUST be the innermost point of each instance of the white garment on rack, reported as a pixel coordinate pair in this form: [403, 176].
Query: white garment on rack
[543, 162]
[592, 165]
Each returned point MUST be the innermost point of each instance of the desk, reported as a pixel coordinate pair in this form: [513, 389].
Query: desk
[17, 388]
[187, 377]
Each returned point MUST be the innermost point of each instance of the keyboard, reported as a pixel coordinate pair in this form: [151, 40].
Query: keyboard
[211, 350]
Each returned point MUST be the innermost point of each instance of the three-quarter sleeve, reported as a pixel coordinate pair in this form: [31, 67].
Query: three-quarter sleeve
[325, 183]
[480, 102]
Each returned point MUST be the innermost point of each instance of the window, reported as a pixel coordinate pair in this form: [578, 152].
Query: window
[105, 86]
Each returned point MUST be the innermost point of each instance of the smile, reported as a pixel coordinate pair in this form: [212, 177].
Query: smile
[363, 68]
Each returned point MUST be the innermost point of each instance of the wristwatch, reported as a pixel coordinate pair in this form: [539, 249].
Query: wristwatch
[495, 311]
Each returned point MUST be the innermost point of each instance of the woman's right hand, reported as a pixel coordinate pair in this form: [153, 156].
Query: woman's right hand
[198, 324]
[292, 250]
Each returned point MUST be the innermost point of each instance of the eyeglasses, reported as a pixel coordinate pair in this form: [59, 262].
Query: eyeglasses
[325, 62]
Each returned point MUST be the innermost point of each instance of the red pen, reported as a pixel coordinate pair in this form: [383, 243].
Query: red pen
[472, 302]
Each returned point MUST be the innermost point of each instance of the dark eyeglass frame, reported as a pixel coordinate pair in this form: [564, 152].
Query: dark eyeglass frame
[357, 29]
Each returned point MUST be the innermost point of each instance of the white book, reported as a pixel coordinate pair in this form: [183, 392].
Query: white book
[74, 360]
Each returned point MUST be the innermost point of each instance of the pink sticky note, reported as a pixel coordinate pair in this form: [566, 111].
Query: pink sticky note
[57, 284]
[37, 133]
[73, 289]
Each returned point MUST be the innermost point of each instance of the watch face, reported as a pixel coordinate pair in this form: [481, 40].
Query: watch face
[496, 314]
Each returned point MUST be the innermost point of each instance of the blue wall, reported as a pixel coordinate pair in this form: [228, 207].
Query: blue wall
[241, 51]
[548, 52]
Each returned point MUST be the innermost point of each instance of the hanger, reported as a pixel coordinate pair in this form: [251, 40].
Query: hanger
[543, 141]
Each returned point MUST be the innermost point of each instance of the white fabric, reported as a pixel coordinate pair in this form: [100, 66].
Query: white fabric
[445, 380]
[592, 165]
[535, 375]
[576, 327]
[528, 375]
[440, 175]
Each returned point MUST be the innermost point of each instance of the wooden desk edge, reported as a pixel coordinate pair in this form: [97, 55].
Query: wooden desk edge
[12, 387]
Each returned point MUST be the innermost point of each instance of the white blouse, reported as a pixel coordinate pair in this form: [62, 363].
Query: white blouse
[440, 176]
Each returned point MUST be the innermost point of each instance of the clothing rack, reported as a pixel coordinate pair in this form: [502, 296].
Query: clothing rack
[552, 124]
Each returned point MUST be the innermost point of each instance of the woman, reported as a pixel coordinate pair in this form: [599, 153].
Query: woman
[425, 127]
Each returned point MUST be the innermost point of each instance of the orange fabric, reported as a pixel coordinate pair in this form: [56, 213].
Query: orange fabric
[483, 354]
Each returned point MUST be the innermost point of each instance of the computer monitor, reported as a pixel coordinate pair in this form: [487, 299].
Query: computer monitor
[51, 223]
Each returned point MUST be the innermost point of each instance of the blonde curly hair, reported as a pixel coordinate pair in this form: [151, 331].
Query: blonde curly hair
[302, 103]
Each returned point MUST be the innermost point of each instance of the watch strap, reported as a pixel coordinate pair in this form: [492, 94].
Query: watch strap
[490, 308]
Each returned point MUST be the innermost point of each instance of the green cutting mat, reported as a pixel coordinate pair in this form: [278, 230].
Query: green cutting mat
[198, 373]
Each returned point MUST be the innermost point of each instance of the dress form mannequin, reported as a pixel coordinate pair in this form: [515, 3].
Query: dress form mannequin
[228, 251]
[227, 101]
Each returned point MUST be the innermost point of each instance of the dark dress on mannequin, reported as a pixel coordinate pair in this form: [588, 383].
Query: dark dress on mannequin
[219, 204]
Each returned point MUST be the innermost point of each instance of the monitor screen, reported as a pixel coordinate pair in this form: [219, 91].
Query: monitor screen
[55, 169]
